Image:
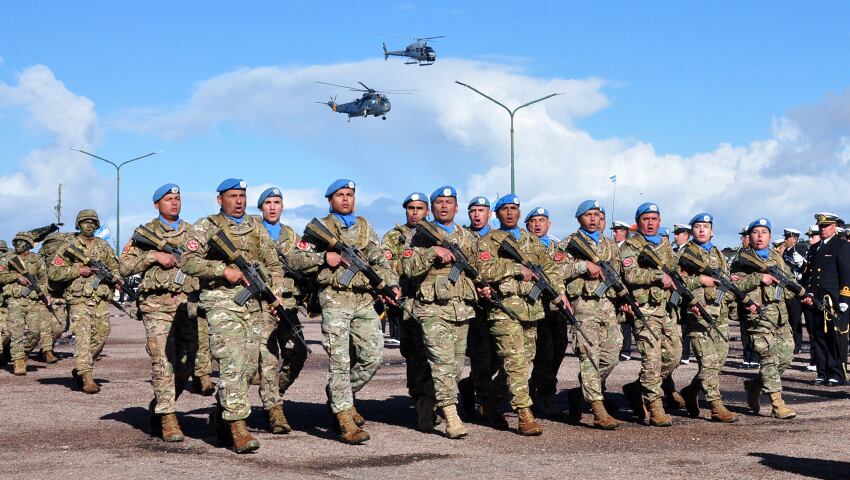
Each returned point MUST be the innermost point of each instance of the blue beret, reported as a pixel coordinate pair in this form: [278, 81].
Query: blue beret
[537, 212]
[414, 197]
[165, 190]
[647, 207]
[479, 202]
[444, 191]
[702, 218]
[232, 184]
[269, 192]
[759, 222]
[338, 184]
[586, 205]
[505, 200]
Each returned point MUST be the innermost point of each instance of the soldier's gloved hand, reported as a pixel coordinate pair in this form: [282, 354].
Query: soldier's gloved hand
[85, 271]
[594, 271]
[166, 260]
[707, 281]
[444, 255]
[234, 275]
[527, 274]
[843, 307]
[23, 280]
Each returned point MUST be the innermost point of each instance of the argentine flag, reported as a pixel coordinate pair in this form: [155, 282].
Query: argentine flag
[104, 233]
[613, 178]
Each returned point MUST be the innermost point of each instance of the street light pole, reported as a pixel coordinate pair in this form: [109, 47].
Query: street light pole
[117, 190]
[511, 113]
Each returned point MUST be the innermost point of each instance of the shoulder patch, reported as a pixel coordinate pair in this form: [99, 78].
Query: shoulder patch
[845, 291]
[485, 256]
[628, 262]
[126, 248]
[388, 254]
[302, 245]
[559, 256]
[193, 245]
[408, 252]
[58, 261]
[2, 268]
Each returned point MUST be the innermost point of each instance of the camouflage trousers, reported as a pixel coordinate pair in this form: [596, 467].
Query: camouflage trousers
[172, 341]
[516, 343]
[235, 344]
[658, 357]
[203, 359]
[598, 319]
[26, 318]
[552, 339]
[445, 342]
[56, 323]
[352, 338]
[776, 349]
[90, 323]
[484, 364]
[412, 348]
[5, 339]
[281, 360]
[711, 351]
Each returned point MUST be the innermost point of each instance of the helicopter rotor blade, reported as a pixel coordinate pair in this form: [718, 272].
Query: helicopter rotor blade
[370, 90]
[430, 38]
[340, 86]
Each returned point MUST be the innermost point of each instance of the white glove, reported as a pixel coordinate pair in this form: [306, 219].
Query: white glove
[842, 307]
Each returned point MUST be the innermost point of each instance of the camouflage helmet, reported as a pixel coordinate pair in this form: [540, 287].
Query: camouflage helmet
[3, 247]
[24, 237]
[84, 215]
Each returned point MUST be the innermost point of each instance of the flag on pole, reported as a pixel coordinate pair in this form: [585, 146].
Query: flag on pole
[104, 234]
[613, 178]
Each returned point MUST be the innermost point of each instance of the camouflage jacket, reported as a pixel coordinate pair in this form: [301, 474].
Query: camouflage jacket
[708, 296]
[310, 258]
[47, 251]
[250, 239]
[394, 244]
[765, 295]
[285, 246]
[12, 289]
[436, 295]
[574, 270]
[156, 280]
[505, 275]
[79, 289]
[644, 281]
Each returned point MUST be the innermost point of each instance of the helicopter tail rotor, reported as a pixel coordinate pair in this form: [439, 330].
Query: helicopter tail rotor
[331, 103]
[386, 55]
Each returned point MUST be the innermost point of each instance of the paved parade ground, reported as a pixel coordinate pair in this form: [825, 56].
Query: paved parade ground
[51, 430]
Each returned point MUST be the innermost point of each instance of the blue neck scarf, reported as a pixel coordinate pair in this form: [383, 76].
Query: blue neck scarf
[707, 246]
[347, 220]
[514, 231]
[447, 228]
[482, 231]
[235, 219]
[173, 225]
[763, 254]
[594, 235]
[273, 229]
[546, 241]
[653, 239]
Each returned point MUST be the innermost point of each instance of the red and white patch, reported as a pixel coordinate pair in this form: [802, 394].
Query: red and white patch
[2, 268]
[388, 254]
[628, 262]
[735, 278]
[126, 248]
[408, 253]
[193, 245]
[58, 261]
[559, 257]
[302, 245]
[485, 256]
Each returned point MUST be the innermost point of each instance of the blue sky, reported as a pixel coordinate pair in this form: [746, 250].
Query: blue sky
[676, 83]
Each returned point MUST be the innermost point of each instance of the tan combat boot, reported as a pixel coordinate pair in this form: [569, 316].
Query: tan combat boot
[454, 427]
[632, 391]
[349, 432]
[575, 399]
[88, 384]
[691, 396]
[47, 356]
[243, 442]
[674, 399]
[753, 389]
[20, 367]
[357, 418]
[424, 414]
[719, 413]
[204, 385]
[657, 416]
[601, 419]
[528, 426]
[277, 421]
[490, 411]
[780, 410]
[171, 428]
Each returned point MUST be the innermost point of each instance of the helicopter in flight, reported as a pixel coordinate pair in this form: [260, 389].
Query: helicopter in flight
[419, 52]
[372, 103]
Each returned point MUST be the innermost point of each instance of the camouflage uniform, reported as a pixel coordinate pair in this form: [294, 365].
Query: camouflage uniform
[349, 320]
[170, 327]
[5, 338]
[88, 306]
[772, 338]
[708, 345]
[444, 310]
[203, 358]
[419, 382]
[598, 316]
[515, 341]
[58, 322]
[28, 313]
[658, 357]
[234, 330]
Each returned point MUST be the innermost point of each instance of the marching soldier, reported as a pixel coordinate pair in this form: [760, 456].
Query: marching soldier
[830, 282]
[681, 235]
[770, 333]
[516, 339]
[170, 325]
[620, 233]
[5, 338]
[597, 315]
[234, 329]
[88, 304]
[58, 322]
[277, 344]
[808, 311]
[710, 342]
[552, 334]
[395, 244]
[349, 320]
[796, 262]
[443, 306]
[652, 288]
